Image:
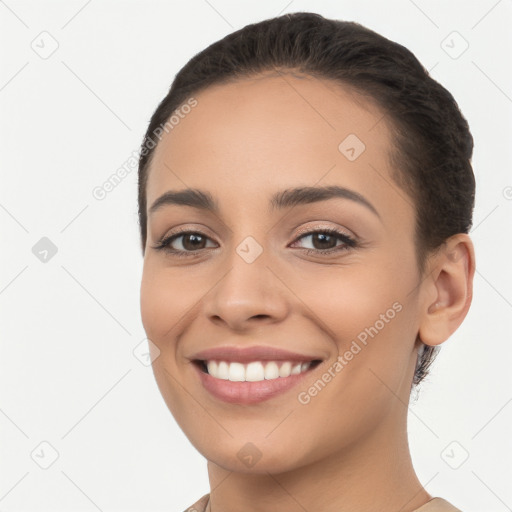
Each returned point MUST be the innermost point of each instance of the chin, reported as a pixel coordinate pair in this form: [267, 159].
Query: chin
[267, 456]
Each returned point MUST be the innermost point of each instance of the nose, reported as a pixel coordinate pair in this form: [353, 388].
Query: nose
[248, 294]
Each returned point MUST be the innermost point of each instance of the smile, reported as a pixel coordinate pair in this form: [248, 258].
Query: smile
[251, 374]
[252, 382]
[255, 371]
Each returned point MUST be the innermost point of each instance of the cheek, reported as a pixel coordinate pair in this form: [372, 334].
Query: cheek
[347, 300]
[164, 302]
[371, 331]
[368, 316]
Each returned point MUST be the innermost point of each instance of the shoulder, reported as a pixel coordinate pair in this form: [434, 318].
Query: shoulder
[200, 505]
[437, 505]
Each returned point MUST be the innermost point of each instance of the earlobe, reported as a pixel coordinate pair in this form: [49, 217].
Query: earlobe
[448, 290]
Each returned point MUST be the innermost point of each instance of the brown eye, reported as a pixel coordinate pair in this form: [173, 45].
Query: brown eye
[190, 242]
[193, 241]
[323, 241]
[326, 241]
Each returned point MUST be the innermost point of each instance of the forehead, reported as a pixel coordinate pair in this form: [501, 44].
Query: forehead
[272, 132]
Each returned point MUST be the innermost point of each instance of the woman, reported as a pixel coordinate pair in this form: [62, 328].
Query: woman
[305, 198]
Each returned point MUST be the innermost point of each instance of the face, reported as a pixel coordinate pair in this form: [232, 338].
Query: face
[303, 308]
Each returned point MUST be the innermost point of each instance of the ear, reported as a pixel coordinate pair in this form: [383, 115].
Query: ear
[447, 290]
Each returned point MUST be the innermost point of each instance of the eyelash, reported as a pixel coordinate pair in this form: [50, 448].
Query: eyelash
[349, 242]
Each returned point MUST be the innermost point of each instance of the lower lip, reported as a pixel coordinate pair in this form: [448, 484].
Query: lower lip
[248, 392]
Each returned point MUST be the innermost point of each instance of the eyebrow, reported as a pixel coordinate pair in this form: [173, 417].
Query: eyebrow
[287, 198]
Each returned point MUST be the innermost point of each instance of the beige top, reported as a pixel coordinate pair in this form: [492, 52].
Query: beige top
[434, 505]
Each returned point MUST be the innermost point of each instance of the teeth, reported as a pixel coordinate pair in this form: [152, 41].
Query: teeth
[296, 369]
[285, 370]
[223, 370]
[213, 367]
[255, 371]
[271, 370]
[236, 372]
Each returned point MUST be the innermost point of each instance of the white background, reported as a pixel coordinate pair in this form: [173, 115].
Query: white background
[68, 374]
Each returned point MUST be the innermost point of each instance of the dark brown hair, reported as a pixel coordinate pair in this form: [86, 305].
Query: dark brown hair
[431, 155]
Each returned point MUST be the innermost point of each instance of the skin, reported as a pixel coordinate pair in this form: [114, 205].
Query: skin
[347, 449]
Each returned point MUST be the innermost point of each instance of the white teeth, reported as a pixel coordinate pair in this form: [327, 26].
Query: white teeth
[212, 367]
[222, 371]
[304, 367]
[236, 372]
[296, 369]
[255, 371]
[271, 370]
[285, 370]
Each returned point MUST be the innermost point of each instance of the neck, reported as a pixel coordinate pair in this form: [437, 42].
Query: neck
[376, 475]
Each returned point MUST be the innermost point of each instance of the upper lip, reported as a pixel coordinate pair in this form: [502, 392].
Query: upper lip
[248, 354]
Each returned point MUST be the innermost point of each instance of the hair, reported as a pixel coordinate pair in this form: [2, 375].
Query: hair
[432, 145]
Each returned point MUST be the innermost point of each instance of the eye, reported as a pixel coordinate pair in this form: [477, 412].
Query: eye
[326, 241]
[190, 242]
